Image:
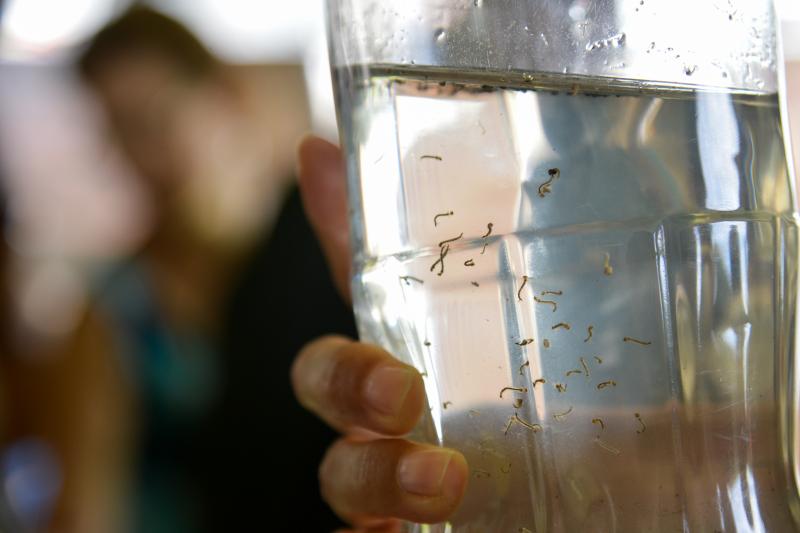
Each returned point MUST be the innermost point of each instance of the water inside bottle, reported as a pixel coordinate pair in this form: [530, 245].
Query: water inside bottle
[597, 280]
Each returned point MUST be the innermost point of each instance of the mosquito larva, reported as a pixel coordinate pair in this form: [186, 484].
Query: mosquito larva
[436, 157]
[524, 282]
[532, 427]
[445, 405]
[474, 412]
[475, 284]
[440, 215]
[526, 363]
[549, 302]
[489, 228]
[544, 188]
[585, 368]
[599, 421]
[442, 254]
[426, 342]
[561, 387]
[606, 447]
[644, 427]
[518, 403]
[538, 381]
[524, 342]
[610, 383]
[590, 331]
[554, 293]
[447, 241]
[598, 359]
[636, 341]
[546, 343]
[562, 325]
[469, 263]
[607, 268]
[506, 469]
[561, 416]
[517, 389]
[409, 279]
[479, 473]
[574, 371]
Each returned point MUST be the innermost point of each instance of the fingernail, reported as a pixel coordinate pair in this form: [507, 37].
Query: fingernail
[424, 472]
[387, 388]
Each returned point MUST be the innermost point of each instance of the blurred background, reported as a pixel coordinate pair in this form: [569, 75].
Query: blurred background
[89, 217]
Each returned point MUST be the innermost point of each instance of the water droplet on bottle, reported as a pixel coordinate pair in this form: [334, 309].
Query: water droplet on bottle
[577, 12]
[689, 69]
[439, 35]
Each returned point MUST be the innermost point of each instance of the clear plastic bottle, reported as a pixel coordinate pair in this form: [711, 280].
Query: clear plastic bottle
[578, 221]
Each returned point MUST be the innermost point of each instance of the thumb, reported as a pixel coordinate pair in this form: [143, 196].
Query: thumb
[323, 187]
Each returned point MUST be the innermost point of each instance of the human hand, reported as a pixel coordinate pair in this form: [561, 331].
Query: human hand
[371, 477]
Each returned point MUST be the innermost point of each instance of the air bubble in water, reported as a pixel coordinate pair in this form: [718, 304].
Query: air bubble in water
[439, 35]
[689, 69]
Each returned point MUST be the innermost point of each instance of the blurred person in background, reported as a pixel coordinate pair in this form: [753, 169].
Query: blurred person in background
[170, 408]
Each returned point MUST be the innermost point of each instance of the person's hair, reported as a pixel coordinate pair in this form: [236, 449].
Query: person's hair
[144, 30]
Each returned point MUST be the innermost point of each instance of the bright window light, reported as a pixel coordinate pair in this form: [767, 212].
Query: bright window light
[32, 28]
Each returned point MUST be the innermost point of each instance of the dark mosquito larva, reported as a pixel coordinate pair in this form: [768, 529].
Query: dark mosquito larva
[636, 341]
[524, 282]
[409, 279]
[442, 254]
[641, 422]
[447, 241]
[440, 215]
[544, 188]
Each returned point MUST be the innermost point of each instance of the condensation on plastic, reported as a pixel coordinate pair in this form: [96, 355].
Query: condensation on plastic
[719, 43]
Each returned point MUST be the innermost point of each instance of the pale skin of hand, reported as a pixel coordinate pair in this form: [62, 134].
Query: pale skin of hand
[371, 477]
